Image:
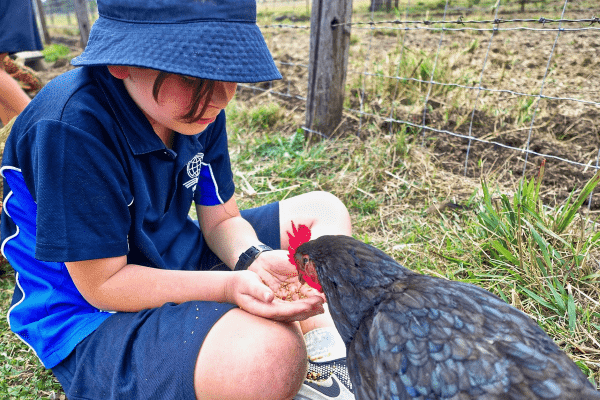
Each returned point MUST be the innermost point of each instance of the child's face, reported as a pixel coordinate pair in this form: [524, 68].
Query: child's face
[174, 99]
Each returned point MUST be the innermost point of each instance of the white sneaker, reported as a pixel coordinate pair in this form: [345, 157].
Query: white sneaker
[326, 381]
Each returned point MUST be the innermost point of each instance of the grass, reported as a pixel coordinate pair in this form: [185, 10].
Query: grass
[547, 258]
[542, 260]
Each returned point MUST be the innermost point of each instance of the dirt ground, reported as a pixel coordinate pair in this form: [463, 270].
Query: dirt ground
[520, 65]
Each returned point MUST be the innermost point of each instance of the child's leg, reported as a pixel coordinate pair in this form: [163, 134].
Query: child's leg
[324, 214]
[194, 350]
[249, 357]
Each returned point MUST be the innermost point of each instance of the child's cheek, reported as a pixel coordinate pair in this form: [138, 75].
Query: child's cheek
[175, 97]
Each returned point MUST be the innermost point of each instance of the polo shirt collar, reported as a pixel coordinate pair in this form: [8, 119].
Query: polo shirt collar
[135, 126]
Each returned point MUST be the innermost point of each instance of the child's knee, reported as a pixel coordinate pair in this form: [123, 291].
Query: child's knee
[329, 210]
[332, 202]
[258, 358]
[321, 205]
[322, 212]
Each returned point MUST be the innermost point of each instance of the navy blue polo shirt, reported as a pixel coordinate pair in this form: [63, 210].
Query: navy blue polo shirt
[86, 177]
[18, 29]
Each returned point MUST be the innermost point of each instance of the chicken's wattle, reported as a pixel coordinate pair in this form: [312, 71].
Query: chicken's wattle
[297, 238]
[307, 272]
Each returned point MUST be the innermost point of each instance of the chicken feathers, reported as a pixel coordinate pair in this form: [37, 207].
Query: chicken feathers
[413, 336]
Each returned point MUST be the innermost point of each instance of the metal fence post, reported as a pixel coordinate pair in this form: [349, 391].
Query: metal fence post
[329, 43]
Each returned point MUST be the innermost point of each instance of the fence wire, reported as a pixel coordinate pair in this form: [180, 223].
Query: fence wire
[422, 66]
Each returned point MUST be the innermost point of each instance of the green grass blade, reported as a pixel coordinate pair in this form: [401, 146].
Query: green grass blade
[541, 242]
[540, 300]
[559, 301]
[569, 212]
[505, 252]
[571, 311]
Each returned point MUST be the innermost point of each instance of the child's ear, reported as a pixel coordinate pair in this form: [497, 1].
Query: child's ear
[118, 71]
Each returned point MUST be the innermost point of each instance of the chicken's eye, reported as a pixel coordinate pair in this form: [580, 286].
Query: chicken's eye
[305, 260]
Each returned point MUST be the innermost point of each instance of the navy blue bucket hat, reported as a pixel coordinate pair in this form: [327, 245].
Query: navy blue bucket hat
[210, 39]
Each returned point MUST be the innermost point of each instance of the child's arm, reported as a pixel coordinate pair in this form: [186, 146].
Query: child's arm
[225, 231]
[112, 284]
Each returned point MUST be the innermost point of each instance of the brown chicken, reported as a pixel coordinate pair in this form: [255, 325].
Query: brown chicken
[413, 336]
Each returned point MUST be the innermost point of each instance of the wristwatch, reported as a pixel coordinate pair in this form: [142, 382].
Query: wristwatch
[248, 257]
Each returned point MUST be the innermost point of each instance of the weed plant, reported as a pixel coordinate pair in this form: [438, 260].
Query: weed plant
[55, 51]
[547, 257]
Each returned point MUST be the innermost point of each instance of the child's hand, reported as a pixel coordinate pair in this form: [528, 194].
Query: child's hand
[276, 271]
[261, 290]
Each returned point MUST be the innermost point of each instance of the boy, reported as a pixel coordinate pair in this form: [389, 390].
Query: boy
[118, 290]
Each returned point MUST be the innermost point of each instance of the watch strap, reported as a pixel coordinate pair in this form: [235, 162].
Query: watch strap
[248, 257]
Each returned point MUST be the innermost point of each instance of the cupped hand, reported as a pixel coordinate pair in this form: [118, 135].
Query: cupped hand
[271, 289]
[276, 271]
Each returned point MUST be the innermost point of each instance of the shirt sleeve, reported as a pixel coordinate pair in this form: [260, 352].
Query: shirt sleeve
[215, 181]
[81, 190]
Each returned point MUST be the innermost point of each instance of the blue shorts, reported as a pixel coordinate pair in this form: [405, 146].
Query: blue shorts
[152, 354]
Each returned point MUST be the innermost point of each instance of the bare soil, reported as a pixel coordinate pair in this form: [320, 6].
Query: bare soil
[539, 93]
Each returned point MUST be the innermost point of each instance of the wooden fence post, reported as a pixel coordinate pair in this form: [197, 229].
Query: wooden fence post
[81, 10]
[40, 9]
[329, 43]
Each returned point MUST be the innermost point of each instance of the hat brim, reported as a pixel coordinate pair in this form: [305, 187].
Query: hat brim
[216, 50]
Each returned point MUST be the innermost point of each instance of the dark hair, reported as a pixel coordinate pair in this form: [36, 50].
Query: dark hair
[202, 89]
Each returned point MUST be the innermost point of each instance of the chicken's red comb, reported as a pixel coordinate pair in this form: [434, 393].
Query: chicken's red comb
[296, 238]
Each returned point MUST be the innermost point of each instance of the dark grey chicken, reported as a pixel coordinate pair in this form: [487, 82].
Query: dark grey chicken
[413, 336]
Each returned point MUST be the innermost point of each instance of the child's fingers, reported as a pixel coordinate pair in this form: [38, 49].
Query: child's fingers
[260, 291]
[307, 291]
[285, 311]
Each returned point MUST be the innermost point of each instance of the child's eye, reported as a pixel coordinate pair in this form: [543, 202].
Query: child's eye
[188, 79]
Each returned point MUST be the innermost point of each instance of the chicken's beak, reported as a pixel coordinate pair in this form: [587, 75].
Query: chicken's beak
[301, 277]
[307, 272]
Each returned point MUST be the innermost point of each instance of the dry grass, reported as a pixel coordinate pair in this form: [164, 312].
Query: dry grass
[399, 196]
[400, 201]
[431, 220]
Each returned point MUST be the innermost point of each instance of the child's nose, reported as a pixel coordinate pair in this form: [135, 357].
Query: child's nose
[223, 93]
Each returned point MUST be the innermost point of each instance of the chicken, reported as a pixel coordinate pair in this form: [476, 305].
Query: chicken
[413, 336]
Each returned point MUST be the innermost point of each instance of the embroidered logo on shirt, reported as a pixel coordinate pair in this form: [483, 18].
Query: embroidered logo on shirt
[193, 169]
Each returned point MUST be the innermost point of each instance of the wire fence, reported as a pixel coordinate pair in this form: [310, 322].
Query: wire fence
[489, 88]
[62, 12]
